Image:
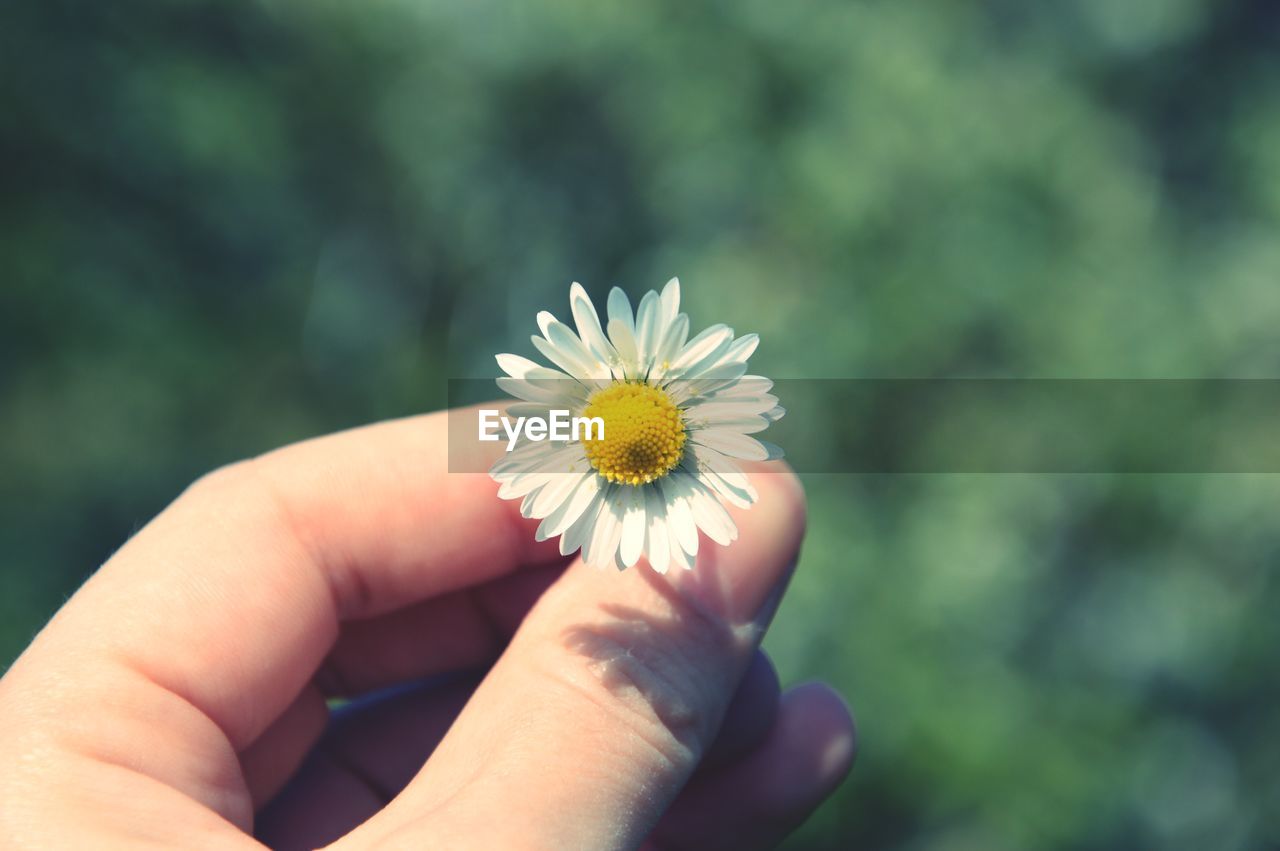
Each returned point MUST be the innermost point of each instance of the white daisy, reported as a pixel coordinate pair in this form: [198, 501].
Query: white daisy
[676, 412]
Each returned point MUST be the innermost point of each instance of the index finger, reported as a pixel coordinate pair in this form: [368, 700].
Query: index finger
[233, 595]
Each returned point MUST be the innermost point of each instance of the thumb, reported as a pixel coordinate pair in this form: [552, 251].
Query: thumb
[605, 700]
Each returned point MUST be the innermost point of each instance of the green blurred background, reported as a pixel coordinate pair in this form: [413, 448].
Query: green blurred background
[228, 225]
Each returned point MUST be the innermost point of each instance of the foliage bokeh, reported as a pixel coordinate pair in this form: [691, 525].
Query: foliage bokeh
[229, 225]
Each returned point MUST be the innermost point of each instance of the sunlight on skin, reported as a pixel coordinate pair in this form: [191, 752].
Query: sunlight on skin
[181, 687]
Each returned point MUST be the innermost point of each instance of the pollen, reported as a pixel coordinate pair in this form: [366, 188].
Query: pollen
[643, 433]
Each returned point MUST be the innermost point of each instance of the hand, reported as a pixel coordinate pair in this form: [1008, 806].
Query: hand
[179, 699]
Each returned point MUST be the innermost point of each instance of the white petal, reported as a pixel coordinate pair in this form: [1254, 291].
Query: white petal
[556, 466]
[603, 544]
[524, 457]
[746, 425]
[597, 533]
[711, 387]
[710, 344]
[527, 502]
[568, 512]
[738, 497]
[523, 368]
[513, 490]
[657, 547]
[710, 409]
[553, 460]
[731, 443]
[773, 450]
[620, 308]
[553, 392]
[744, 347]
[716, 365]
[670, 301]
[675, 492]
[727, 362]
[561, 358]
[576, 536]
[588, 322]
[624, 341]
[722, 476]
[518, 484]
[511, 465]
[648, 330]
[747, 385]
[711, 516]
[678, 555]
[622, 332]
[633, 525]
[527, 409]
[742, 423]
[709, 383]
[563, 338]
[553, 494]
[672, 341]
[545, 318]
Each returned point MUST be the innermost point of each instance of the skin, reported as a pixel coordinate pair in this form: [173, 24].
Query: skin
[179, 698]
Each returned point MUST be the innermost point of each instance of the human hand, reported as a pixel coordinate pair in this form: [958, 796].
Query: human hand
[178, 699]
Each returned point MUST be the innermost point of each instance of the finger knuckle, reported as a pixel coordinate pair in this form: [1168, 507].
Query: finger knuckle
[218, 481]
[651, 679]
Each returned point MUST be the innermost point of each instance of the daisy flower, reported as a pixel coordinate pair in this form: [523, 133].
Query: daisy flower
[677, 415]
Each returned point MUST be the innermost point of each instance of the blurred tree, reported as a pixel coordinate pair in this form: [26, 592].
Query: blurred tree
[227, 225]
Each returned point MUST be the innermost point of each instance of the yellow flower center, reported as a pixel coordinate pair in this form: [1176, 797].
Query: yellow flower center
[643, 433]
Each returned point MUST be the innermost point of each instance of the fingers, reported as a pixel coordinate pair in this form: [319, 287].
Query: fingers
[456, 631]
[750, 714]
[374, 747]
[275, 756]
[605, 701]
[756, 801]
[368, 755]
[229, 599]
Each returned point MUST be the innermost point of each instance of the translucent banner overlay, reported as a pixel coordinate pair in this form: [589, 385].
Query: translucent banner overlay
[984, 425]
